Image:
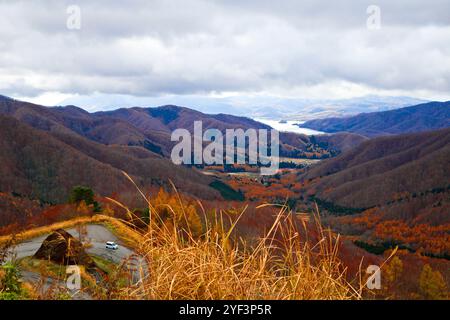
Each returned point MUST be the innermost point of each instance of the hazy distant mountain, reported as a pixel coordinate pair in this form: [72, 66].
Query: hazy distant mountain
[422, 117]
[304, 110]
[253, 106]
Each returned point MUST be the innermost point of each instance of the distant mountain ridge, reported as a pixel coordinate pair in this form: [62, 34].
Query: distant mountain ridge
[422, 117]
[268, 107]
[48, 150]
[150, 128]
[47, 165]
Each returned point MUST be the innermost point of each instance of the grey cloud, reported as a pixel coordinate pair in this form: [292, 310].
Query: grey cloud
[200, 47]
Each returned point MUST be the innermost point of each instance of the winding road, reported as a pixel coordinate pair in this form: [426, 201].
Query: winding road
[96, 235]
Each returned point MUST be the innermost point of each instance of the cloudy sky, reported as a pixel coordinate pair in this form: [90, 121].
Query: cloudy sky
[193, 48]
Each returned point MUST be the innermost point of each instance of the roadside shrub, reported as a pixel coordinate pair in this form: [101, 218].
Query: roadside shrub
[10, 285]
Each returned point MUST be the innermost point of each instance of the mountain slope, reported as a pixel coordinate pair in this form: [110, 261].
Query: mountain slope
[422, 117]
[151, 127]
[46, 165]
[378, 170]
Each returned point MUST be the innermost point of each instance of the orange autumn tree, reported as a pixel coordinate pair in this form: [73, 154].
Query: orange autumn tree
[172, 210]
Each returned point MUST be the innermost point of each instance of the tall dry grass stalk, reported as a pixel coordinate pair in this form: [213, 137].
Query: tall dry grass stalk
[220, 265]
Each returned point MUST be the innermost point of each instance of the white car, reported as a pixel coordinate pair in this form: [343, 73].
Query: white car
[112, 245]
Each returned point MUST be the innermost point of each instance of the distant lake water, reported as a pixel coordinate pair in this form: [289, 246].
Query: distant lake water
[289, 126]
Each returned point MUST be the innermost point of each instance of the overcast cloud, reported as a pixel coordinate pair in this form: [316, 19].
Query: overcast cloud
[307, 49]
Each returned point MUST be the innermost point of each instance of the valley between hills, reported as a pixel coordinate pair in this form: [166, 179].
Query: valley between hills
[377, 183]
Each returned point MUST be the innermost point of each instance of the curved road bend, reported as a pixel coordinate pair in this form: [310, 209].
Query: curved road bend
[97, 235]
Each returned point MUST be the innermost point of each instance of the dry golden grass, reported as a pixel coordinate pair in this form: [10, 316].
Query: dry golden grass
[215, 267]
[218, 265]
